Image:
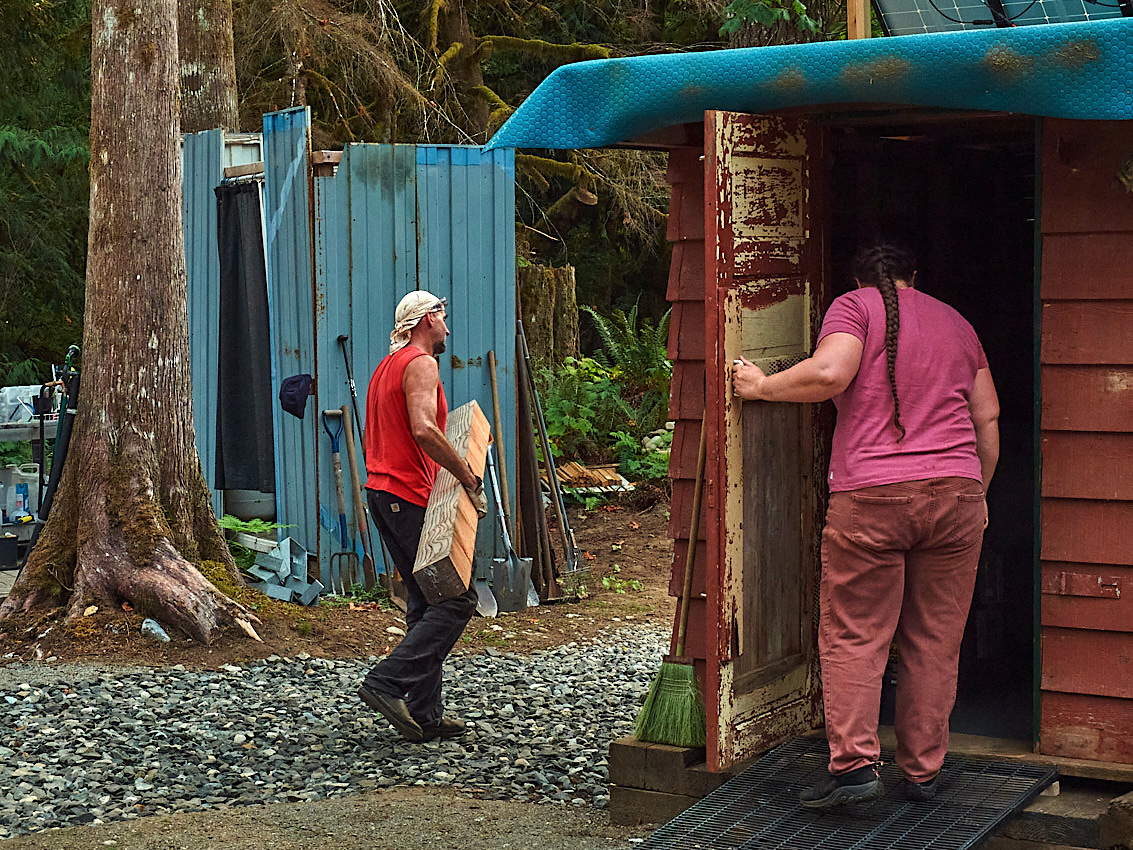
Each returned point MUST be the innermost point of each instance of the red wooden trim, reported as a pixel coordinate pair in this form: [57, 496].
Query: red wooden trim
[686, 332]
[1088, 331]
[1088, 661]
[1062, 608]
[686, 396]
[686, 445]
[1084, 531]
[1080, 163]
[699, 575]
[686, 272]
[1087, 398]
[1086, 727]
[1087, 465]
[1087, 265]
[713, 507]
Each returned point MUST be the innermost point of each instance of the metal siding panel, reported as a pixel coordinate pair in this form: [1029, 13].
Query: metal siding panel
[471, 260]
[203, 171]
[287, 214]
[332, 317]
[380, 213]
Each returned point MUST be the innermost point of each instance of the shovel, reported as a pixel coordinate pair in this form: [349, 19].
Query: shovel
[511, 575]
[343, 564]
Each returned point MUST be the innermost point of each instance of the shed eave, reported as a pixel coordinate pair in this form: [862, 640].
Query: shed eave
[1079, 70]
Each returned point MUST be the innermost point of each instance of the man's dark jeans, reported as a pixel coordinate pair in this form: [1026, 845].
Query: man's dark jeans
[413, 670]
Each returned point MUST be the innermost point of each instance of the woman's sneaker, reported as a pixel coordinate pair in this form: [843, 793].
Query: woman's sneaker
[921, 792]
[855, 786]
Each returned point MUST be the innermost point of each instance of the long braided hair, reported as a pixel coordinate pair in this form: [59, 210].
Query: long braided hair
[880, 265]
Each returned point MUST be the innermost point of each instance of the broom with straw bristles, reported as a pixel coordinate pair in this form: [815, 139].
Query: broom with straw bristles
[673, 712]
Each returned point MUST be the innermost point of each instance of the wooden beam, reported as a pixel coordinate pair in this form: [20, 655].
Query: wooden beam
[857, 19]
[244, 170]
[443, 568]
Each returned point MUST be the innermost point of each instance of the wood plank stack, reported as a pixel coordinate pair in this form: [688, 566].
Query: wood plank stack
[574, 475]
[443, 568]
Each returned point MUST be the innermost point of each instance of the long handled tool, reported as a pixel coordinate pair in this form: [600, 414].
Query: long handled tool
[570, 550]
[498, 422]
[397, 589]
[511, 574]
[369, 574]
[341, 578]
[342, 338]
[532, 519]
[532, 593]
[673, 712]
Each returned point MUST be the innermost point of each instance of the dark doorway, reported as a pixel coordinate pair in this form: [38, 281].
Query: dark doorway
[961, 193]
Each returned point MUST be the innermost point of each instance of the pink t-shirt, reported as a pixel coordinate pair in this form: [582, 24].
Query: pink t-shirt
[938, 355]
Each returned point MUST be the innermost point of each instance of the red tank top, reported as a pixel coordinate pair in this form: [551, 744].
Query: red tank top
[394, 461]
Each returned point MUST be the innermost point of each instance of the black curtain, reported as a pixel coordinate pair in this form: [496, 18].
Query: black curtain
[245, 457]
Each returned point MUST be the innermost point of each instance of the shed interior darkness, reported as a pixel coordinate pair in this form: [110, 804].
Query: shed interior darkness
[962, 193]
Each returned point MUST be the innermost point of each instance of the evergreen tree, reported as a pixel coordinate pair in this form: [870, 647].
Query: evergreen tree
[44, 120]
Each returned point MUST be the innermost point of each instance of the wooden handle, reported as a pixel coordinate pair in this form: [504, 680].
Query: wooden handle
[355, 483]
[499, 426]
[693, 534]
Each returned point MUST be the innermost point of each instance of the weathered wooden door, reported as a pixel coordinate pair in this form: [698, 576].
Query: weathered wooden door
[763, 280]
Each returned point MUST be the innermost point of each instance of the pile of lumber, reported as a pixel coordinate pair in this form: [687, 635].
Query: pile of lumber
[590, 479]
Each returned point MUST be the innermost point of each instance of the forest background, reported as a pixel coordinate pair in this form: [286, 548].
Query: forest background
[436, 72]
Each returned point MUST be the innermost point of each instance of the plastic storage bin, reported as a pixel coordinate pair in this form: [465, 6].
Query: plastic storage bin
[16, 403]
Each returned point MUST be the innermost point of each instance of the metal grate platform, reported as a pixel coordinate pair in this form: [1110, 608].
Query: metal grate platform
[759, 809]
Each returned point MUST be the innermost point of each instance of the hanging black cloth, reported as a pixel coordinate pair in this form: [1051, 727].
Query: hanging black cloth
[245, 455]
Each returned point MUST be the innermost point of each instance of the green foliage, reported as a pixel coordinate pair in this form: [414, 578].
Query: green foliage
[638, 463]
[636, 353]
[618, 584]
[767, 13]
[590, 418]
[44, 121]
[581, 406]
[245, 558]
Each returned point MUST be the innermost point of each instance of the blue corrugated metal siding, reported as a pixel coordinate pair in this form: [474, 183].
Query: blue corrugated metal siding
[290, 315]
[466, 199]
[203, 155]
[395, 218]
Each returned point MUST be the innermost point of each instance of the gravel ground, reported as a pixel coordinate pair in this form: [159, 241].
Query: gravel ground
[89, 745]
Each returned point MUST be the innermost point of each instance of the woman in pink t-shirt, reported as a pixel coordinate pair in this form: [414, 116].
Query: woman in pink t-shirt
[915, 446]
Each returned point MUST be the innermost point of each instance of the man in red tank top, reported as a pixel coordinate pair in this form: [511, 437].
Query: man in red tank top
[405, 446]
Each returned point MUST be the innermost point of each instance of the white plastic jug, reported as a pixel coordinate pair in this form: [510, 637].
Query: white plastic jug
[27, 473]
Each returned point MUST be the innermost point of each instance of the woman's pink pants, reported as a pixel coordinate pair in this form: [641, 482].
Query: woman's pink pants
[897, 560]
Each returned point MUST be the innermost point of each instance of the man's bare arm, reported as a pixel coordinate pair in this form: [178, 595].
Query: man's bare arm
[420, 381]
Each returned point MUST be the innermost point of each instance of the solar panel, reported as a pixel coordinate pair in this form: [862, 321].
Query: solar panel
[908, 17]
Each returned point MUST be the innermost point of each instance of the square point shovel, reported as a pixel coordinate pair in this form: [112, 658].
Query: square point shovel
[511, 575]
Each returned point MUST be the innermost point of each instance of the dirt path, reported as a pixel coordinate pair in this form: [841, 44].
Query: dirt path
[394, 819]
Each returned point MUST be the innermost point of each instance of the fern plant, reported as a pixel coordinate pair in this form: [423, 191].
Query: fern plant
[636, 353]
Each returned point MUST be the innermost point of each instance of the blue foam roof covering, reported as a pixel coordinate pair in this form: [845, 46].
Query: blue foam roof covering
[1076, 70]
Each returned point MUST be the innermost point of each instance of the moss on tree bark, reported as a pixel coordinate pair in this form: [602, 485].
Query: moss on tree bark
[132, 515]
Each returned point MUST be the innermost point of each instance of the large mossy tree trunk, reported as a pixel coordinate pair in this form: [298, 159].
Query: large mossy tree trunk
[549, 311]
[208, 65]
[132, 517]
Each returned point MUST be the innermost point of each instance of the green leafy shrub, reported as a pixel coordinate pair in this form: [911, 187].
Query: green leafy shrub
[636, 353]
[581, 406]
[245, 558]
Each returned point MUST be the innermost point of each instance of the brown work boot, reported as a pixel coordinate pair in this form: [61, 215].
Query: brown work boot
[394, 710]
[446, 727]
